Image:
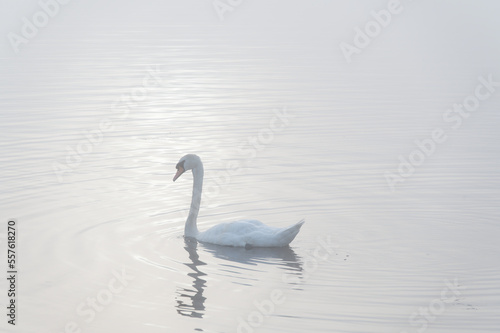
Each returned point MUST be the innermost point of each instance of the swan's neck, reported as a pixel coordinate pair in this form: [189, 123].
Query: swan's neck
[190, 229]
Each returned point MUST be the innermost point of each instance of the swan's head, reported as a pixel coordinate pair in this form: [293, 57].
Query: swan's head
[187, 162]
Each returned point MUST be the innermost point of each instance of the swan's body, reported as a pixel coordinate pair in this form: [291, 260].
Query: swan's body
[247, 233]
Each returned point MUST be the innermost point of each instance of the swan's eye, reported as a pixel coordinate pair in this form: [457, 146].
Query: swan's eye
[180, 170]
[180, 165]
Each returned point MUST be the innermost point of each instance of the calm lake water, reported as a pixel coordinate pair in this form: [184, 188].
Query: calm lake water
[401, 194]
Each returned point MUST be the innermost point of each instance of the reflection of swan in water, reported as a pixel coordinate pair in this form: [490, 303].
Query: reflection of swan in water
[197, 306]
[191, 302]
[244, 233]
[283, 257]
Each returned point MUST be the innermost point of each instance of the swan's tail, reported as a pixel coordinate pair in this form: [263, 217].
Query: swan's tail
[286, 236]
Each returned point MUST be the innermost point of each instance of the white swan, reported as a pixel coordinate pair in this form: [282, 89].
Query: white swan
[244, 233]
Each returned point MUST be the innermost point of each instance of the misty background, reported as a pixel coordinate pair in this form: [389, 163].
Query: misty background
[98, 104]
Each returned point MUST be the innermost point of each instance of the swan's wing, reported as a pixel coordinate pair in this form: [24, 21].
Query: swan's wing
[249, 233]
[231, 233]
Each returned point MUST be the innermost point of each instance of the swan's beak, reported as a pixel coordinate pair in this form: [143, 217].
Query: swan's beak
[180, 171]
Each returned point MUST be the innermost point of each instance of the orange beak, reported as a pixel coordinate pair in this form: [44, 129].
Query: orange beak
[180, 171]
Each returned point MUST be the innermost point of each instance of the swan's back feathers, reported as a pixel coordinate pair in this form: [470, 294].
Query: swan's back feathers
[250, 233]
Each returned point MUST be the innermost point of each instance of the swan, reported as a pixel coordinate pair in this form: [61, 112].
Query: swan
[242, 233]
